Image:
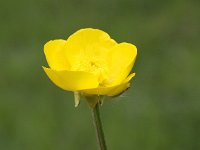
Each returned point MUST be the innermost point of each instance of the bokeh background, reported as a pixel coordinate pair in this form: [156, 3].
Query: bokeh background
[161, 110]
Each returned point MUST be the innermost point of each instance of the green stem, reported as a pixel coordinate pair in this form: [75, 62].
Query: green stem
[98, 127]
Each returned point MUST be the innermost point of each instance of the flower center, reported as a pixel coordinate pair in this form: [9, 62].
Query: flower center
[93, 65]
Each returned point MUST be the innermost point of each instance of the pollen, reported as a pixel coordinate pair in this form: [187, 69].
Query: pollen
[94, 65]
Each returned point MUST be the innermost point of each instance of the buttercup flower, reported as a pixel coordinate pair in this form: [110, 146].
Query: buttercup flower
[90, 62]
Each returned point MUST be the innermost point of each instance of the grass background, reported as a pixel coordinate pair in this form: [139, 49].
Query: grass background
[160, 111]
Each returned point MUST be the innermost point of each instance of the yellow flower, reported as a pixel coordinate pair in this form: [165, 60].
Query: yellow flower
[90, 62]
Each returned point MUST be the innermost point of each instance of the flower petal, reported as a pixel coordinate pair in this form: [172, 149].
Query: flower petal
[90, 42]
[72, 80]
[121, 61]
[112, 90]
[55, 55]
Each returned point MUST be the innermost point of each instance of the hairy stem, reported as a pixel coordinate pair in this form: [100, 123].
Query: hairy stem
[98, 127]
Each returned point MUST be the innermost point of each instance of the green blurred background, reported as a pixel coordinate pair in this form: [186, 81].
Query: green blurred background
[161, 111]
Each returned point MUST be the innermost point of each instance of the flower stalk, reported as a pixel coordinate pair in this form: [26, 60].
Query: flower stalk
[98, 127]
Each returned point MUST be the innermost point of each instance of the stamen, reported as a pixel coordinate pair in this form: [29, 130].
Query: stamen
[93, 65]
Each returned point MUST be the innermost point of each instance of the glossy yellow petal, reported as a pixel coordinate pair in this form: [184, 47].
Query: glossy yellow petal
[121, 61]
[88, 43]
[91, 63]
[112, 90]
[55, 54]
[72, 81]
